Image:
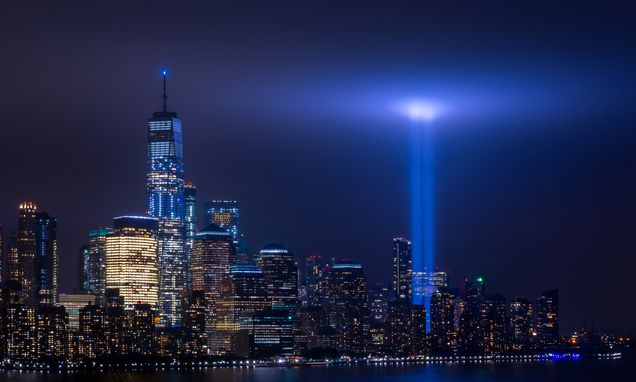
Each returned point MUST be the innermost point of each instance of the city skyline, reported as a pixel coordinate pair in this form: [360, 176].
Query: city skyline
[572, 201]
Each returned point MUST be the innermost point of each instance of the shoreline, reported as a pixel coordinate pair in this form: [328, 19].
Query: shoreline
[188, 366]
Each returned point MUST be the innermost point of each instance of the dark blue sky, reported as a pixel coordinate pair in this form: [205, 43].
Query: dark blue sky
[288, 107]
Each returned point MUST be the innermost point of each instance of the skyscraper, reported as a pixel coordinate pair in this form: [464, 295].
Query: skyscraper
[212, 253]
[131, 260]
[195, 336]
[243, 293]
[443, 330]
[272, 333]
[547, 319]
[493, 323]
[313, 277]
[380, 295]
[46, 258]
[25, 269]
[190, 192]
[13, 271]
[406, 328]
[51, 324]
[520, 316]
[281, 275]
[92, 325]
[402, 269]
[166, 202]
[470, 325]
[20, 327]
[226, 213]
[93, 264]
[348, 297]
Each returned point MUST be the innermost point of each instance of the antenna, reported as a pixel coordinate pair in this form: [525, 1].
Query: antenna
[164, 73]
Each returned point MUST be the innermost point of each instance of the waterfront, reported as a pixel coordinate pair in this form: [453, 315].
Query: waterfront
[587, 370]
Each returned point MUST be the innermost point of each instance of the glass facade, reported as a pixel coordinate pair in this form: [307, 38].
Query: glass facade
[24, 271]
[547, 319]
[93, 264]
[402, 268]
[243, 293]
[165, 197]
[190, 193]
[212, 253]
[46, 259]
[131, 260]
[226, 213]
[349, 313]
[281, 274]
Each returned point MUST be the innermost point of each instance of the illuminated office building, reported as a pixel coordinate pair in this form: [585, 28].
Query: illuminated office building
[195, 337]
[316, 293]
[402, 269]
[493, 322]
[281, 275]
[25, 246]
[272, 333]
[520, 314]
[13, 270]
[46, 259]
[93, 264]
[406, 329]
[142, 328]
[131, 260]
[166, 202]
[470, 324]
[547, 320]
[243, 293]
[348, 300]
[377, 344]
[51, 332]
[280, 271]
[20, 335]
[190, 221]
[444, 336]
[73, 303]
[312, 320]
[168, 342]
[212, 253]
[226, 213]
[380, 296]
[119, 333]
[92, 332]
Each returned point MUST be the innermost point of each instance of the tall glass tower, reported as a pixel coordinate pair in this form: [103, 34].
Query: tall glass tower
[190, 226]
[93, 264]
[226, 214]
[166, 202]
[131, 260]
[402, 269]
[46, 259]
[25, 267]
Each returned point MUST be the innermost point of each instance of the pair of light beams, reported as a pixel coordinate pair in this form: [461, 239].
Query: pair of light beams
[422, 197]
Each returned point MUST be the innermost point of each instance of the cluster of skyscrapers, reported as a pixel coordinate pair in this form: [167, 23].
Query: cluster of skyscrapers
[162, 285]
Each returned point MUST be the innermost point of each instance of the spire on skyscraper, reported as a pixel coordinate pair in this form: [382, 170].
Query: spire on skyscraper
[164, 74]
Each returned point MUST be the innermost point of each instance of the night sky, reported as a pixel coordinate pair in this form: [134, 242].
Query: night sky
[290, 108]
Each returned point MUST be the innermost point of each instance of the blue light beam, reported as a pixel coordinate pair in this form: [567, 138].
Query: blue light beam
[422, 174]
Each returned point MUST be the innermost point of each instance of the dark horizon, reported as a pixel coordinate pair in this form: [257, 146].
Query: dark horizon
[289, 108]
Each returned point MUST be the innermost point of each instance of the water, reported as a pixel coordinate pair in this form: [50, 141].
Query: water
[562, 371]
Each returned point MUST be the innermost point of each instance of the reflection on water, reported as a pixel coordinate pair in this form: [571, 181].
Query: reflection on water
[582, 371]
